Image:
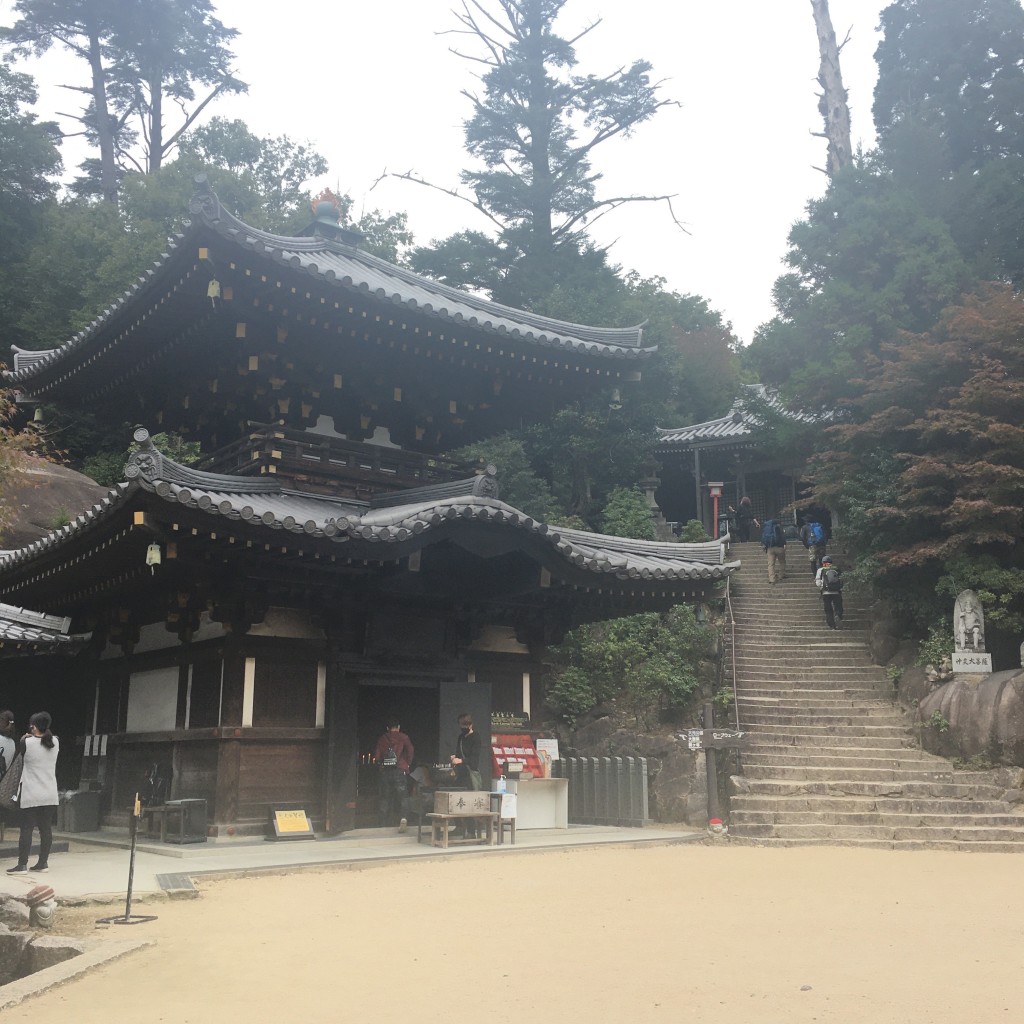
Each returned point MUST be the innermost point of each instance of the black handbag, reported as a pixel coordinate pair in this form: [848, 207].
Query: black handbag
[10, 784]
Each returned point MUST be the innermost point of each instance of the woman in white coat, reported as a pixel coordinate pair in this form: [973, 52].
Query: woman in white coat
[38, 795]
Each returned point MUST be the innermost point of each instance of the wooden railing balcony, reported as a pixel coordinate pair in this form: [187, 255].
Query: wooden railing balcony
[330, 465]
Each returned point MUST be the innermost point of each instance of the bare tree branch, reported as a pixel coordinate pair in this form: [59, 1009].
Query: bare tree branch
[411, 176]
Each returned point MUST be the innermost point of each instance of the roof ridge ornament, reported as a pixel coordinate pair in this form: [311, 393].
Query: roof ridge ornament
[149, 463]
[204, 201]
[328, 212]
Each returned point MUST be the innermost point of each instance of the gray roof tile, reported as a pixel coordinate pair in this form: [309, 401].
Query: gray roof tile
[27, 632]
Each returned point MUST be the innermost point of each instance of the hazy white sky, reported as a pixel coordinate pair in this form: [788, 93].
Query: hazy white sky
[374, 88]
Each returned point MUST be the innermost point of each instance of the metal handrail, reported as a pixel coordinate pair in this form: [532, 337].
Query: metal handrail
[732, 645]
[732, 649]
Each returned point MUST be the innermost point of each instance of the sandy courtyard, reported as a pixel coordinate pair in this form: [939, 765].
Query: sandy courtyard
[633, 935]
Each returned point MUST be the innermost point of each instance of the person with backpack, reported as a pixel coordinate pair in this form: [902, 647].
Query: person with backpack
[773, 540]
[393, 755]
[830, 583]
[812, 533]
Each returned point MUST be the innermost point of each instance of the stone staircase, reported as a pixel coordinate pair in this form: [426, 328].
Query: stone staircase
[832, 759]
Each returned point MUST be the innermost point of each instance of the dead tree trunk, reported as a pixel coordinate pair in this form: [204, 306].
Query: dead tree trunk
[832, 104]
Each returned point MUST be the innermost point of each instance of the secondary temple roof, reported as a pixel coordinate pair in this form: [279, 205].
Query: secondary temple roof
[409, 521]
[25, 632]
[739, 425]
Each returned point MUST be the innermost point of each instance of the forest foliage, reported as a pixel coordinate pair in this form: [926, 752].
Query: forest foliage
[900, 316]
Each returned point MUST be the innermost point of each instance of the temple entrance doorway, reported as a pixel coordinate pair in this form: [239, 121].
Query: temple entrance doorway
[417, 707]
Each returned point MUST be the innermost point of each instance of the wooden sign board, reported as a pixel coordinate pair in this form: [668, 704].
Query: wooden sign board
[290, 823]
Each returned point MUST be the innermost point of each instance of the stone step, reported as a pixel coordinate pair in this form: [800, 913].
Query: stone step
[851, 656]
[822, 805]
[922, 833]
[824, 744]
[960, 846]
[904, 759]
[773, 732]
[782, 666]
[746, 703]
[910, 790]
[892, 819]
[798, 772]
[787, 702]
[831, 758]
[848, 716]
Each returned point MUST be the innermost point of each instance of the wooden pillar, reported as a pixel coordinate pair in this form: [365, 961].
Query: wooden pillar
[229, 770]
[342, 745]
[698, 489]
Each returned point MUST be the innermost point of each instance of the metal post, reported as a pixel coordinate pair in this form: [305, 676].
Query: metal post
[129, 918]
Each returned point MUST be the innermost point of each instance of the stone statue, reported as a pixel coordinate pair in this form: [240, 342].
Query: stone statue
[969, 622]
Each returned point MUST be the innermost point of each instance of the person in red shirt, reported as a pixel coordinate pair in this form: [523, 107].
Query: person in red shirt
[394, 753]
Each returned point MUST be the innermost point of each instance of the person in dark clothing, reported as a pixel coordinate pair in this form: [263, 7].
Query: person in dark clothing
[467, 752]
[394, 753]
[465, 759]
[744, 518]
[830, 583]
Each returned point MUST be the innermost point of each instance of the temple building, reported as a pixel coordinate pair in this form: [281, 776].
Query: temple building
[250, 623]
[734, 455]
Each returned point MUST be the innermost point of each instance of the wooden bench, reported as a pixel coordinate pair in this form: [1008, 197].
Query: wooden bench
[439, 824]
[162, 813]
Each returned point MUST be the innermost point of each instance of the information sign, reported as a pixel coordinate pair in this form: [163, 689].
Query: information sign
[972, 661]
[291, 823]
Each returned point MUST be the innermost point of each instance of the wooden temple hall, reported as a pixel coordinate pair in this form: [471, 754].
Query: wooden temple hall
[249, 624]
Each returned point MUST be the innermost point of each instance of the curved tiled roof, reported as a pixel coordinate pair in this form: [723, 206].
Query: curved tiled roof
[739, 423]
[342, 262]
[336, 262]
[27, 632]
[264, 504]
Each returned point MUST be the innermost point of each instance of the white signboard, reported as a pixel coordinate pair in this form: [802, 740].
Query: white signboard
[550, 746]
[972, 661]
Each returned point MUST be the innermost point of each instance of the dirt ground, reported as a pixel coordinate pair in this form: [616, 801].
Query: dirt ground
[662, 934]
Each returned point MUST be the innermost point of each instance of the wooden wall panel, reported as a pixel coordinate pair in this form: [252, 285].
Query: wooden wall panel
[285, 691]
[280, 773]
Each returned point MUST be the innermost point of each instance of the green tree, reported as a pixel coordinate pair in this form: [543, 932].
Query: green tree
[954, 69]
[29, 161]
[867, 262]
[627, 514]
[161, 51]
[929, 474]
[139, 54]
[520, 486]
[534, 130]
[649, 663]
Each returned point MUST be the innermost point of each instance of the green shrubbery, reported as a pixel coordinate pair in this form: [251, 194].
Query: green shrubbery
[648, 663]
